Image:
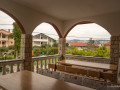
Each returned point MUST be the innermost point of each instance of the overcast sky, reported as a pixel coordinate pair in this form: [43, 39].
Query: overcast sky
[84, 31]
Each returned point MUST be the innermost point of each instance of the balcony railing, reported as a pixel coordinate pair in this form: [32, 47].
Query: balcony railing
[10, 66]
[42, 62]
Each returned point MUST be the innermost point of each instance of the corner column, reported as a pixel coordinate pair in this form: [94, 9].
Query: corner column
[114, 55]
[26, 51]
[61, 47]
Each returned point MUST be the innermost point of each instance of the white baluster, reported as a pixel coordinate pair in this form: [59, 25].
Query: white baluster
[3, 69]
[11, 68]
[52, 60]
[41, 64]
[37, 66]
[48, 60]
[45, 63]
[18, 65]
[22, 66]
[55, 60]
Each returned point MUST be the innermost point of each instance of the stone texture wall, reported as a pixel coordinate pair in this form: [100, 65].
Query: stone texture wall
[81, 80]
[114, 54]
[61, 47]
[114, 50]
[26, 51]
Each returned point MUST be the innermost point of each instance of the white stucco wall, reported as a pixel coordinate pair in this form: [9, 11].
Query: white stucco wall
[30, 19]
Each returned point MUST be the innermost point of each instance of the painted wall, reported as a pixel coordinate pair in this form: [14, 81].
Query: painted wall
[30, 19]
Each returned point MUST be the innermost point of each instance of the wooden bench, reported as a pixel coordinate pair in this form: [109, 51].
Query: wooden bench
[107, 76]
[76, 70]
[61, 68]
[94, 74]
[52, 67]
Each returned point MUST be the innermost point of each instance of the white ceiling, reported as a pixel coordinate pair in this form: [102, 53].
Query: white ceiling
[71, 9]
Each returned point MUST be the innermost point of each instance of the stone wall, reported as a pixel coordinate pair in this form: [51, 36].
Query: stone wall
[81, 80]
[114, 54]
[61, 47]
[26, 51]
[114, 50]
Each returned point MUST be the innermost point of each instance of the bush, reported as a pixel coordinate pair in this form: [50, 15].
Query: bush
[52, 51]
[98, 52]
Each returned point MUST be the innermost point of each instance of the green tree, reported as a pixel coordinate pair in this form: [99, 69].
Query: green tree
[91, 44]
[55, 44]
[2, 50]
[16, 35]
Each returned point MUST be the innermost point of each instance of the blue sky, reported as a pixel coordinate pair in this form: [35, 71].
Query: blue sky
[86, 30]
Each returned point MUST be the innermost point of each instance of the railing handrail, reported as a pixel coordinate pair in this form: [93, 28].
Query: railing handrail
[45, 57]
[11, 61]
[70, 55]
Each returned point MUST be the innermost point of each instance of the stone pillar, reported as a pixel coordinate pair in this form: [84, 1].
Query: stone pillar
[26, 51]
[61, 47]
[114, 54]
[114, 50]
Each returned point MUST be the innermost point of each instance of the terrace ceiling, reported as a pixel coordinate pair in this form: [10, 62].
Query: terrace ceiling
[72, 9]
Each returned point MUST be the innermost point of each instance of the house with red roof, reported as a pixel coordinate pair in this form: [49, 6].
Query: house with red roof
[81, 44]
[107, 45]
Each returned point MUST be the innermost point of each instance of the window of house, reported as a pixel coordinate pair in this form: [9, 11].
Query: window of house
[3, 36]
[3, 43]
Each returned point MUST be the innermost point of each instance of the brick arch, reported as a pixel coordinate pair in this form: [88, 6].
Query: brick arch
[13, 17]
[83, 22]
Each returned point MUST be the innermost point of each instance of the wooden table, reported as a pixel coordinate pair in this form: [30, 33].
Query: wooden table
[102, 66]
[26, 80]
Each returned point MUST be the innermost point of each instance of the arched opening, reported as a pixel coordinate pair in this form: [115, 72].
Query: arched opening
[10, 38]
[45, 39]
[44, 43]
[88, 39]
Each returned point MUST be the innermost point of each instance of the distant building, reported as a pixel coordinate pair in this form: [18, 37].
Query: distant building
[107, 45]
[41, 39]
[81, 45]
[4, 40]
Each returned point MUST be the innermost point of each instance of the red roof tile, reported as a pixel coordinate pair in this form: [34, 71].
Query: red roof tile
[107, 44]
[80, 44]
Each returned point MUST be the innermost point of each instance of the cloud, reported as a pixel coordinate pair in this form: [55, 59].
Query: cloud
[89, 30]
[5, 19]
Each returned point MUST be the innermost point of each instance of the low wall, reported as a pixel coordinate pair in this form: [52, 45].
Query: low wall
[81, 80]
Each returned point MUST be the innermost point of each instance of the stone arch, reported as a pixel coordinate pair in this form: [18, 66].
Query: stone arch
[13, 17]
[83, 22]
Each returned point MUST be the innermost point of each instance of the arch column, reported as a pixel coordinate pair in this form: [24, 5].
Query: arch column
[61, 47]
[114, 55]
[26, 51]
